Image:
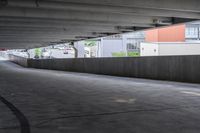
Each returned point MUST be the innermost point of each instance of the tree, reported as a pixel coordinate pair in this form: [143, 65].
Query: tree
[90, 43]
[37, 53]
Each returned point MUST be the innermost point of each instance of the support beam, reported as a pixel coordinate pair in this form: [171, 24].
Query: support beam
[131, 10]
[178, 5]
[66, 24]
[29, 23]
[76, 15]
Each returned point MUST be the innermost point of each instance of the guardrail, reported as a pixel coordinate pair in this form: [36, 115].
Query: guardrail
[172, 68]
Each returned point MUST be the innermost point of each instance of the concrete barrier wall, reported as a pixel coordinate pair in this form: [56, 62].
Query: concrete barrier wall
[18, 60]
[172, 68]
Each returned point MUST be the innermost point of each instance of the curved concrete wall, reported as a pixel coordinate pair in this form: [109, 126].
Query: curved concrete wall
[18, 60]
[172, 68]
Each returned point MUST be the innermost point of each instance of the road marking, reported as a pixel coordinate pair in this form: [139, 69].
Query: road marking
[24, 124]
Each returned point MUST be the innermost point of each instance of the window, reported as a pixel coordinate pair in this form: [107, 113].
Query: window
[192, 32]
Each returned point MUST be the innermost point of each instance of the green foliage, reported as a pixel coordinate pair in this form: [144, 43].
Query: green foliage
[119, 54]
[133, 54]
[37, 52]
[123, 54]
[90, 43]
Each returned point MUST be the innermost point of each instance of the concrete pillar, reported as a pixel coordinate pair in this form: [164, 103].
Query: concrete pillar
[80, 49]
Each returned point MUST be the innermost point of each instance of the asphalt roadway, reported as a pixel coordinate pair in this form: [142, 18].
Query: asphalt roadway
[47, 101]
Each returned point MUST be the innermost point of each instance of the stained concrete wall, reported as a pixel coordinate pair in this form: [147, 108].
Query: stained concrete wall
[19, 60]
[172, 68]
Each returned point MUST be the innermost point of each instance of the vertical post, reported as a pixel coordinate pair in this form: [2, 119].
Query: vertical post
[27, 51]
[75, 50]
[198, 32]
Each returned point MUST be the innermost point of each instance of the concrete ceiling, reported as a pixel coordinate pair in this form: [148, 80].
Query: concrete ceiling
[34, 23]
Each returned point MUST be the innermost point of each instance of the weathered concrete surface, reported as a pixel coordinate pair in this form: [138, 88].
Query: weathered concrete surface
[18, 60]
[172, 68]
[38, 23]
[62, 102]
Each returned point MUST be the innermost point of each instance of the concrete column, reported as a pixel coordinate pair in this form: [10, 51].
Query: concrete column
[80, 49]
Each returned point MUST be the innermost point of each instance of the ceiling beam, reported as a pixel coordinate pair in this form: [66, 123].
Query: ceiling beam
[131, 10]
[176, 5]
[77, 15]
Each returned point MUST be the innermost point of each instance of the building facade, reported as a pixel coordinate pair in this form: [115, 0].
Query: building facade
[177, 33]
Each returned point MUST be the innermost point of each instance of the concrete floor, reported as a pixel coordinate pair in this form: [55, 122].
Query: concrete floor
[63, 102]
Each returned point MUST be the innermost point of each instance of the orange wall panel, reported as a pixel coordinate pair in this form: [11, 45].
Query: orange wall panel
[151, 35]
[174, 33]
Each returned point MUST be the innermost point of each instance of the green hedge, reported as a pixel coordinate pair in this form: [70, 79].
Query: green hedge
[133, 54]
[119, 54]
[123, 54]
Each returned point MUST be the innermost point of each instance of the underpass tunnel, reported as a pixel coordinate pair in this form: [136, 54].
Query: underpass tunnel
[99, 66]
